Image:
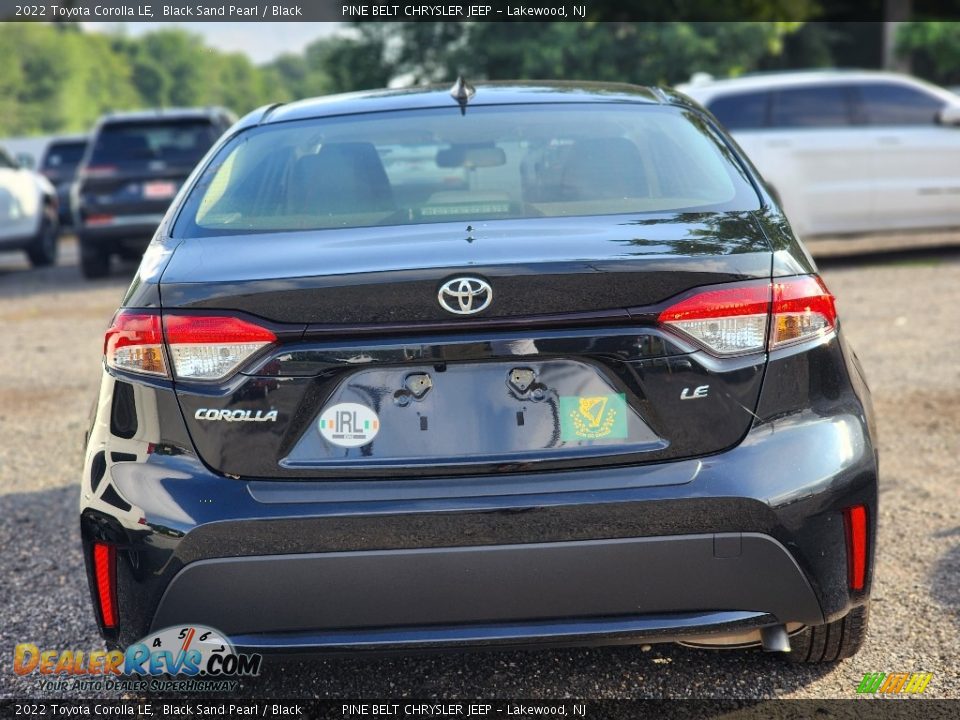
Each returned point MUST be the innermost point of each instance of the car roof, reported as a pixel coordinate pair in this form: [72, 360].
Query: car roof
[165, 114]
[775, 80]
[487, 93]
[68, 140]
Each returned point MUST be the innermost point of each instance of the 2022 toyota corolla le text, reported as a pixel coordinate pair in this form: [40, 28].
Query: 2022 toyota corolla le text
[535, 364]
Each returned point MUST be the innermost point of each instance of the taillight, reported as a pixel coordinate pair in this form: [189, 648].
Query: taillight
[99, 171]
[733, 319]
[210, 347]
[802, 309]
[200, 347]
[99, 219]
[727, 320]
[855, 528]
[134, 342]
[105, 577]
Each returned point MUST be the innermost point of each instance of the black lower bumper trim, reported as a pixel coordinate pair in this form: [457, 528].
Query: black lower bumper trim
[587, 631]
[527, 583]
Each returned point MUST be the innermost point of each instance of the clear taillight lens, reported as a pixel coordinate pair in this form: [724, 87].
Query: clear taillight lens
[726, 320]
[199, 347]
[134, 342]
[733, 319]
[209, 347]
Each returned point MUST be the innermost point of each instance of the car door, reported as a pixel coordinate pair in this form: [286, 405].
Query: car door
[916, 160]
[803, 140]
[823, 164]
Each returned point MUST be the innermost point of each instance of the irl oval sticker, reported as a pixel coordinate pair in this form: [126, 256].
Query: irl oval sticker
[348, 424]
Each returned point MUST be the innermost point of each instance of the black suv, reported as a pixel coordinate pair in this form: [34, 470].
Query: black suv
[539, 363]
[133, 168]
[60, 163]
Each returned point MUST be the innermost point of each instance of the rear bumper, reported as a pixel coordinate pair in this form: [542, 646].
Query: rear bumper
[492, 593]
[740, 542]
[121, 230]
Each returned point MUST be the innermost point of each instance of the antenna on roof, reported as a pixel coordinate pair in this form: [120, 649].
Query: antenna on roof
[462, 92]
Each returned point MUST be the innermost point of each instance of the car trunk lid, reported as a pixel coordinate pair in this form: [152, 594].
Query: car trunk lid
[566, 367]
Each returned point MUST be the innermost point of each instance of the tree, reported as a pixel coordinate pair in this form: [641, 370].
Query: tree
[342, 64]
[934, 48]
[651, 53]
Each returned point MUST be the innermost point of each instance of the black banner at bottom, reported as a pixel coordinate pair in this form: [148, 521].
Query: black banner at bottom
[161, 709]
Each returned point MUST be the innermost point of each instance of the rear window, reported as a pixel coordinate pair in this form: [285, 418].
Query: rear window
[428, 166]
[61, 156]
[167, 142]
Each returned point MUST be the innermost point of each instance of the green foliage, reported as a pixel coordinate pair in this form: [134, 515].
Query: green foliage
[651, 52]
[58, 78]
[934, 48]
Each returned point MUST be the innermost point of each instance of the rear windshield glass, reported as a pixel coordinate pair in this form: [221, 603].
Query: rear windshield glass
[61, 156]
[428, 166]
[170, 142]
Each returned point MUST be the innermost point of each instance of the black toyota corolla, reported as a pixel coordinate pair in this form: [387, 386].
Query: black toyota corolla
[522, 365]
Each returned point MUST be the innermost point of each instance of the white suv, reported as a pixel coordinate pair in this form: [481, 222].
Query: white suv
[28, 212]
[847, 151]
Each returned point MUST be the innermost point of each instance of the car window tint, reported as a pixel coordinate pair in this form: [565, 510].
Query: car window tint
[821, 106]
[742, 111]
[895, 104]
[167, 142]
[60, 155]
[427, 166]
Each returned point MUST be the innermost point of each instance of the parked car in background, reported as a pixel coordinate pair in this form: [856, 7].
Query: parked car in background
[134, 166]
[28, 212]
[847, 151]
[60, 162]
[560, 374]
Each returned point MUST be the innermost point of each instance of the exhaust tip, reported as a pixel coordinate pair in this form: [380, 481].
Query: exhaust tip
[774, 638]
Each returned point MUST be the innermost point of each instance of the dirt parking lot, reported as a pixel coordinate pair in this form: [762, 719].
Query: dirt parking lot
[901, 313]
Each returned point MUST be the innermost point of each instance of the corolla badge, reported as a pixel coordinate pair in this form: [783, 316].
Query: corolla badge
[465, 295]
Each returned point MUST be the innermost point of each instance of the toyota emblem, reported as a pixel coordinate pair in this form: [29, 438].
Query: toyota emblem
[465, 295]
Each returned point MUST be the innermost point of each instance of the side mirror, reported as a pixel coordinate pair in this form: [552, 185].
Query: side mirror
[25, 160]
[949, 114]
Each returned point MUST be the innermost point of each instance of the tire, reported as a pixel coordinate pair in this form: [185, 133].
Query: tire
[42, 251]
[94, 261]
[834, 641]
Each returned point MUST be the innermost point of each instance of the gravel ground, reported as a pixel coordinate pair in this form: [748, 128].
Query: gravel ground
[899, 311]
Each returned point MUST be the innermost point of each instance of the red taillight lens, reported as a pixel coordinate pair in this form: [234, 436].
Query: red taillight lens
[134, 342]
[855, 526]
[732, 319]
[98, 219]
[105, 575]
[209, 347]
[99, 171]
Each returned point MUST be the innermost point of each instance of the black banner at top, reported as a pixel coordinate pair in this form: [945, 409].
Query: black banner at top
[477, 11]
[158, 708]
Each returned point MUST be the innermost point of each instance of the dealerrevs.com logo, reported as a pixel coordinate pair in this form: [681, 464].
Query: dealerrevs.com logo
[182, 658]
